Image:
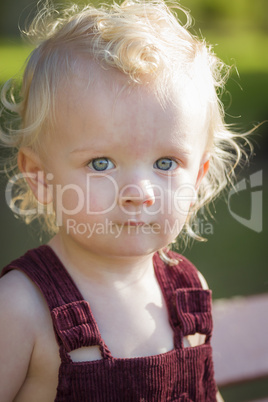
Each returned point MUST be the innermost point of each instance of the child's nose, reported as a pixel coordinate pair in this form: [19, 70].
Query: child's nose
[137, 194]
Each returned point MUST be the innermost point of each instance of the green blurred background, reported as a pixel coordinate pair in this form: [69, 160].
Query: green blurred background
[234, 259]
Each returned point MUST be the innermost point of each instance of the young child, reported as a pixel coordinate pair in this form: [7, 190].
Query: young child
[120, 140]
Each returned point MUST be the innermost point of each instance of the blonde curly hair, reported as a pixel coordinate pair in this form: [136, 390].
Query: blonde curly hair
[141, 38]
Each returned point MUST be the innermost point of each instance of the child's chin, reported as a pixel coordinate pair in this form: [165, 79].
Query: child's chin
[139, 247]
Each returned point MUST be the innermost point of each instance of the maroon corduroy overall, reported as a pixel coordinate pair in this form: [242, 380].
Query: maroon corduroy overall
[183, 374]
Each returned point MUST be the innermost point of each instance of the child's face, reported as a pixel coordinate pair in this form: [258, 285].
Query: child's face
[124, 168]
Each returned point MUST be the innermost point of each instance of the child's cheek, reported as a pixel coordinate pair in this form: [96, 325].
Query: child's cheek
[183, 197]
[90, 197]
[101, 195]
[178, 196]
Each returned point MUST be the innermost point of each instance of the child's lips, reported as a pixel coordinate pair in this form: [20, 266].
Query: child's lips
[135, 223]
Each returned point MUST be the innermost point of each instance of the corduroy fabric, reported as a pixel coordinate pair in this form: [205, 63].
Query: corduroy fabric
[183, 374]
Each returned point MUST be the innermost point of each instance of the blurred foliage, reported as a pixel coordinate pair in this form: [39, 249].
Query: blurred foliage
[13, 54]
[251, 391]
[235, 14]
[219, 14]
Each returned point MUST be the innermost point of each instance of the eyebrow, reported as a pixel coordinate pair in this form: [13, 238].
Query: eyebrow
[80, 150]
[103, 148]
[183, 148]
[187, 150]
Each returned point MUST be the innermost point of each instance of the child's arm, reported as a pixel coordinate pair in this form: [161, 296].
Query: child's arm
[16, 333]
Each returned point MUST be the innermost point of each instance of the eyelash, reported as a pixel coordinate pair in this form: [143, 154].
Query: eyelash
[106, 160]
[108, 163]
[171, 160]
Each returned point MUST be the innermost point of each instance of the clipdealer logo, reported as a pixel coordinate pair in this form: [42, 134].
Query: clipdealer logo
[251, 187]
[254, 187]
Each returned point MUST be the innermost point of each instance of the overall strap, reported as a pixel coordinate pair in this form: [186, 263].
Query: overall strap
[189, 305]
[44, 268]
[73, 321]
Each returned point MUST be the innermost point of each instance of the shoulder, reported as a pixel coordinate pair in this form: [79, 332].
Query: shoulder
[19, 295]
[17, 291]
[34, 266]
[22, 305]
[20, 299]
[20, 314]
[184, 271]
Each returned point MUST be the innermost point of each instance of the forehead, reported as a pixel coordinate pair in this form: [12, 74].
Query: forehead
[110, 101]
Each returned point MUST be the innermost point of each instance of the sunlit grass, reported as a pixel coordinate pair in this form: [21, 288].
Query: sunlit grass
[13, 54]
[244, 49]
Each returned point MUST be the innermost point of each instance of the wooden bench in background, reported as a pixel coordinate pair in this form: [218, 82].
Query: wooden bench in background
[240, 340]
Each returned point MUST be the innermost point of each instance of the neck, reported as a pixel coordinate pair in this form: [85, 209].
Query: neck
[107, 271]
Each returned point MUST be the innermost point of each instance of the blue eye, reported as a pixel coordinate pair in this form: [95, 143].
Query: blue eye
[101, 164]
[165, 164]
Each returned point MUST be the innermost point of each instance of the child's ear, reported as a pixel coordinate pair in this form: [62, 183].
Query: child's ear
[202, 171]
[31, 166]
